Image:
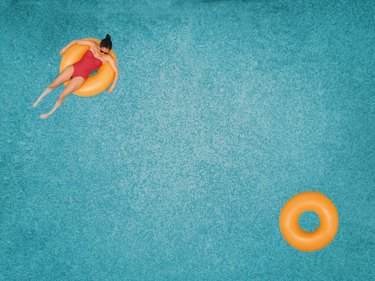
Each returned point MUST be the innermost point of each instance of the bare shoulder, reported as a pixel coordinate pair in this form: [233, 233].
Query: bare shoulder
[109, 59]
[94, 47]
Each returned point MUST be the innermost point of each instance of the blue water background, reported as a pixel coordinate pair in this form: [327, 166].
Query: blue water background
[223, 111]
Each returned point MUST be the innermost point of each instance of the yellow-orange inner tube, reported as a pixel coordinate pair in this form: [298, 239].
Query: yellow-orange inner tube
[297, 237]
[96, 83]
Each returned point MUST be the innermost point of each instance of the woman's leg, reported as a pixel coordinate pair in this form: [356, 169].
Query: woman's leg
[64, 76]
[73, 85]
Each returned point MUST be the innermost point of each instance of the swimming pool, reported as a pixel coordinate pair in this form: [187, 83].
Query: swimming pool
[223, 111]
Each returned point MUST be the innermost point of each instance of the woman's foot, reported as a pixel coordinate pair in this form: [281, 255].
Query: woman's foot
[36, 102]
[43, 116]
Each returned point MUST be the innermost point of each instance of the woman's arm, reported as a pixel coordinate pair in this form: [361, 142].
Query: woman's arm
[115, 69]
[74, 42]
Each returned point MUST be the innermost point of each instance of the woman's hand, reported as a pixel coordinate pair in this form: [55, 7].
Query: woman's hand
[68, 46]
[110, 89]
[115, 69]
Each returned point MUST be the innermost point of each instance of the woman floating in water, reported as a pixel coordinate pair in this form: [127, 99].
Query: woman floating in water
[77, 73]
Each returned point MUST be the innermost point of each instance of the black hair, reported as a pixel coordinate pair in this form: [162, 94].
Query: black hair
[106, 42]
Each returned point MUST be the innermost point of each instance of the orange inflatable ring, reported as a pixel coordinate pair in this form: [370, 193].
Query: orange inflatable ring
[96, 83]
[323, 235]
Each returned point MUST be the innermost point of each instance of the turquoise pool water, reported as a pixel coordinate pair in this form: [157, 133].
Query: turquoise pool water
[223, 111]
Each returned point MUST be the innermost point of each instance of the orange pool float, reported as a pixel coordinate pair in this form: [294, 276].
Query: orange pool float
[297, 237]
[96, 83]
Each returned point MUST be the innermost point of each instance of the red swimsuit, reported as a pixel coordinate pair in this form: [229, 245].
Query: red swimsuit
[87, 64]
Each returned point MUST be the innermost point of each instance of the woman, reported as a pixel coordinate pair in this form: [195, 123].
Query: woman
[94, 57]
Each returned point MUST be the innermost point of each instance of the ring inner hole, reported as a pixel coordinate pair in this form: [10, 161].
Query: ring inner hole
[94, 72]
[309, 221]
